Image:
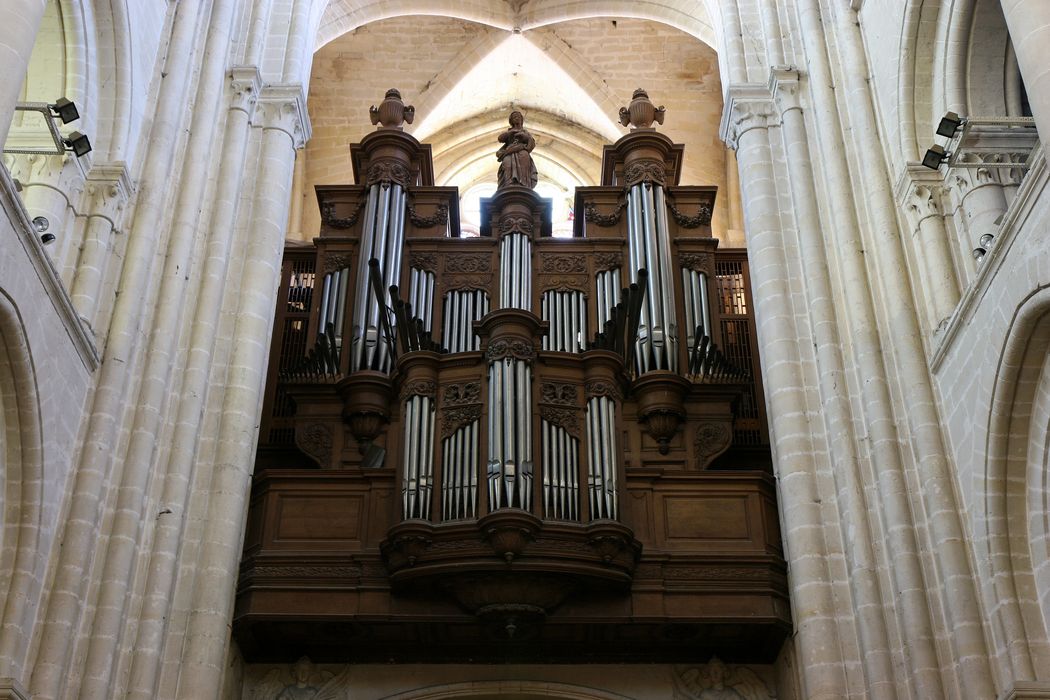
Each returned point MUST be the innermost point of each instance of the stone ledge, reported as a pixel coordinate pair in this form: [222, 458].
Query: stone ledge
[45, 270]
[1027, 690]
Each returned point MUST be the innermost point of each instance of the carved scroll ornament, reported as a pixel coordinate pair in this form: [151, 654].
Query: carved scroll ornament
[452, 419]
[558, 393]
[702, 217]
[517, 348]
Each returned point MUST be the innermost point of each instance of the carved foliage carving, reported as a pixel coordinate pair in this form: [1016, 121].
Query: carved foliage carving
[418, 387]
[590, 213]
[602, 387]
[427, 262]
[565, 418]
[330, 219]
[468, 263]
[315, 440]
[452, 419]
[562, 264]
[518, 348]
[702, 217]
[458, 282]
[711, 439]
[645, 170]
[515, 224]
[564, 283]
[386, 171]
[336, 261]
[458, 394]
[716, 680]
[697, 262]
[558, 393]
[438, 218]
[608, 261]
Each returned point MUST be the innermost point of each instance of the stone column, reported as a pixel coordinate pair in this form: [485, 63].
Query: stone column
[107, 191]
[19, 23]
[1029, 24]
[744, 127]
[981, 198]
[285, 129]
[920, 196]
[244, 88]
[847, 471]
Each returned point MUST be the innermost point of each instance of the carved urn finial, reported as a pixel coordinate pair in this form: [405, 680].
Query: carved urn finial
[392, 112]
[641, 113]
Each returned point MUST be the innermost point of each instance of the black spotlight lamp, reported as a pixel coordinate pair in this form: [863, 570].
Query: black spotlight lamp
[65, 110]
[78, 143]
[949, 124]
[935, 155]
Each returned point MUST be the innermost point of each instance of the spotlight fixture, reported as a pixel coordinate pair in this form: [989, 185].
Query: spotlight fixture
[65, 110]
[47, 238]
[986, 240]
[41, 224]
[935, 155]
[78, 143]
[949, 124]
[978, 254]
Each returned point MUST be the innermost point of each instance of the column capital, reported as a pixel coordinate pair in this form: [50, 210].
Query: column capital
[918, 192]
[282, 106]
[784, 87]
[245, 84]
[747, 106]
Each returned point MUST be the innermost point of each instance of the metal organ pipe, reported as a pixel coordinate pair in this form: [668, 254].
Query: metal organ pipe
[462, 308]
[560, 472]
[516, 272]
[418, 476]
[649, 248]
[382, 238]
[421, 295]
[604, 460]
[694, 286]
[510, 434]
[567, 314]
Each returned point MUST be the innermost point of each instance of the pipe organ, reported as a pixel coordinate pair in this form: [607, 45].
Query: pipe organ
[531, 455]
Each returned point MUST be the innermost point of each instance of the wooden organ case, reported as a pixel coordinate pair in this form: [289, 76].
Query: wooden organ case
[513, 447]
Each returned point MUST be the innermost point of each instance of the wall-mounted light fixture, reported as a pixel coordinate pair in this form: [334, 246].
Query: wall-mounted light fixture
[949, 124]
[78, 143]
[42, 137]
[935, 155]
[65, 110]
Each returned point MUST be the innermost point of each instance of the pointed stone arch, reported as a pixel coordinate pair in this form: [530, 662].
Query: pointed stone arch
[21, 481]
[1013, 537]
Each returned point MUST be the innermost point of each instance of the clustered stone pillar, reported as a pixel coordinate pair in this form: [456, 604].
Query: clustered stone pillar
[1029, 24]
[19, 22]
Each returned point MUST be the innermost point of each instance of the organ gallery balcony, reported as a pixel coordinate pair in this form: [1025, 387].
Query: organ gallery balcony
[513, 447]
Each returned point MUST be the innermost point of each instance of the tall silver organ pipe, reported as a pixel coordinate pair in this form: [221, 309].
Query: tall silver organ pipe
[382, 238]
[603, 459]
[332, 311]
[421, 296]
[510, 466]
[561, 472]
[567, 314]
[694, 288]
[607, 285]
[515, 266]
[459, 473]
[462, 308]
[649, 247]
[418, 477]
